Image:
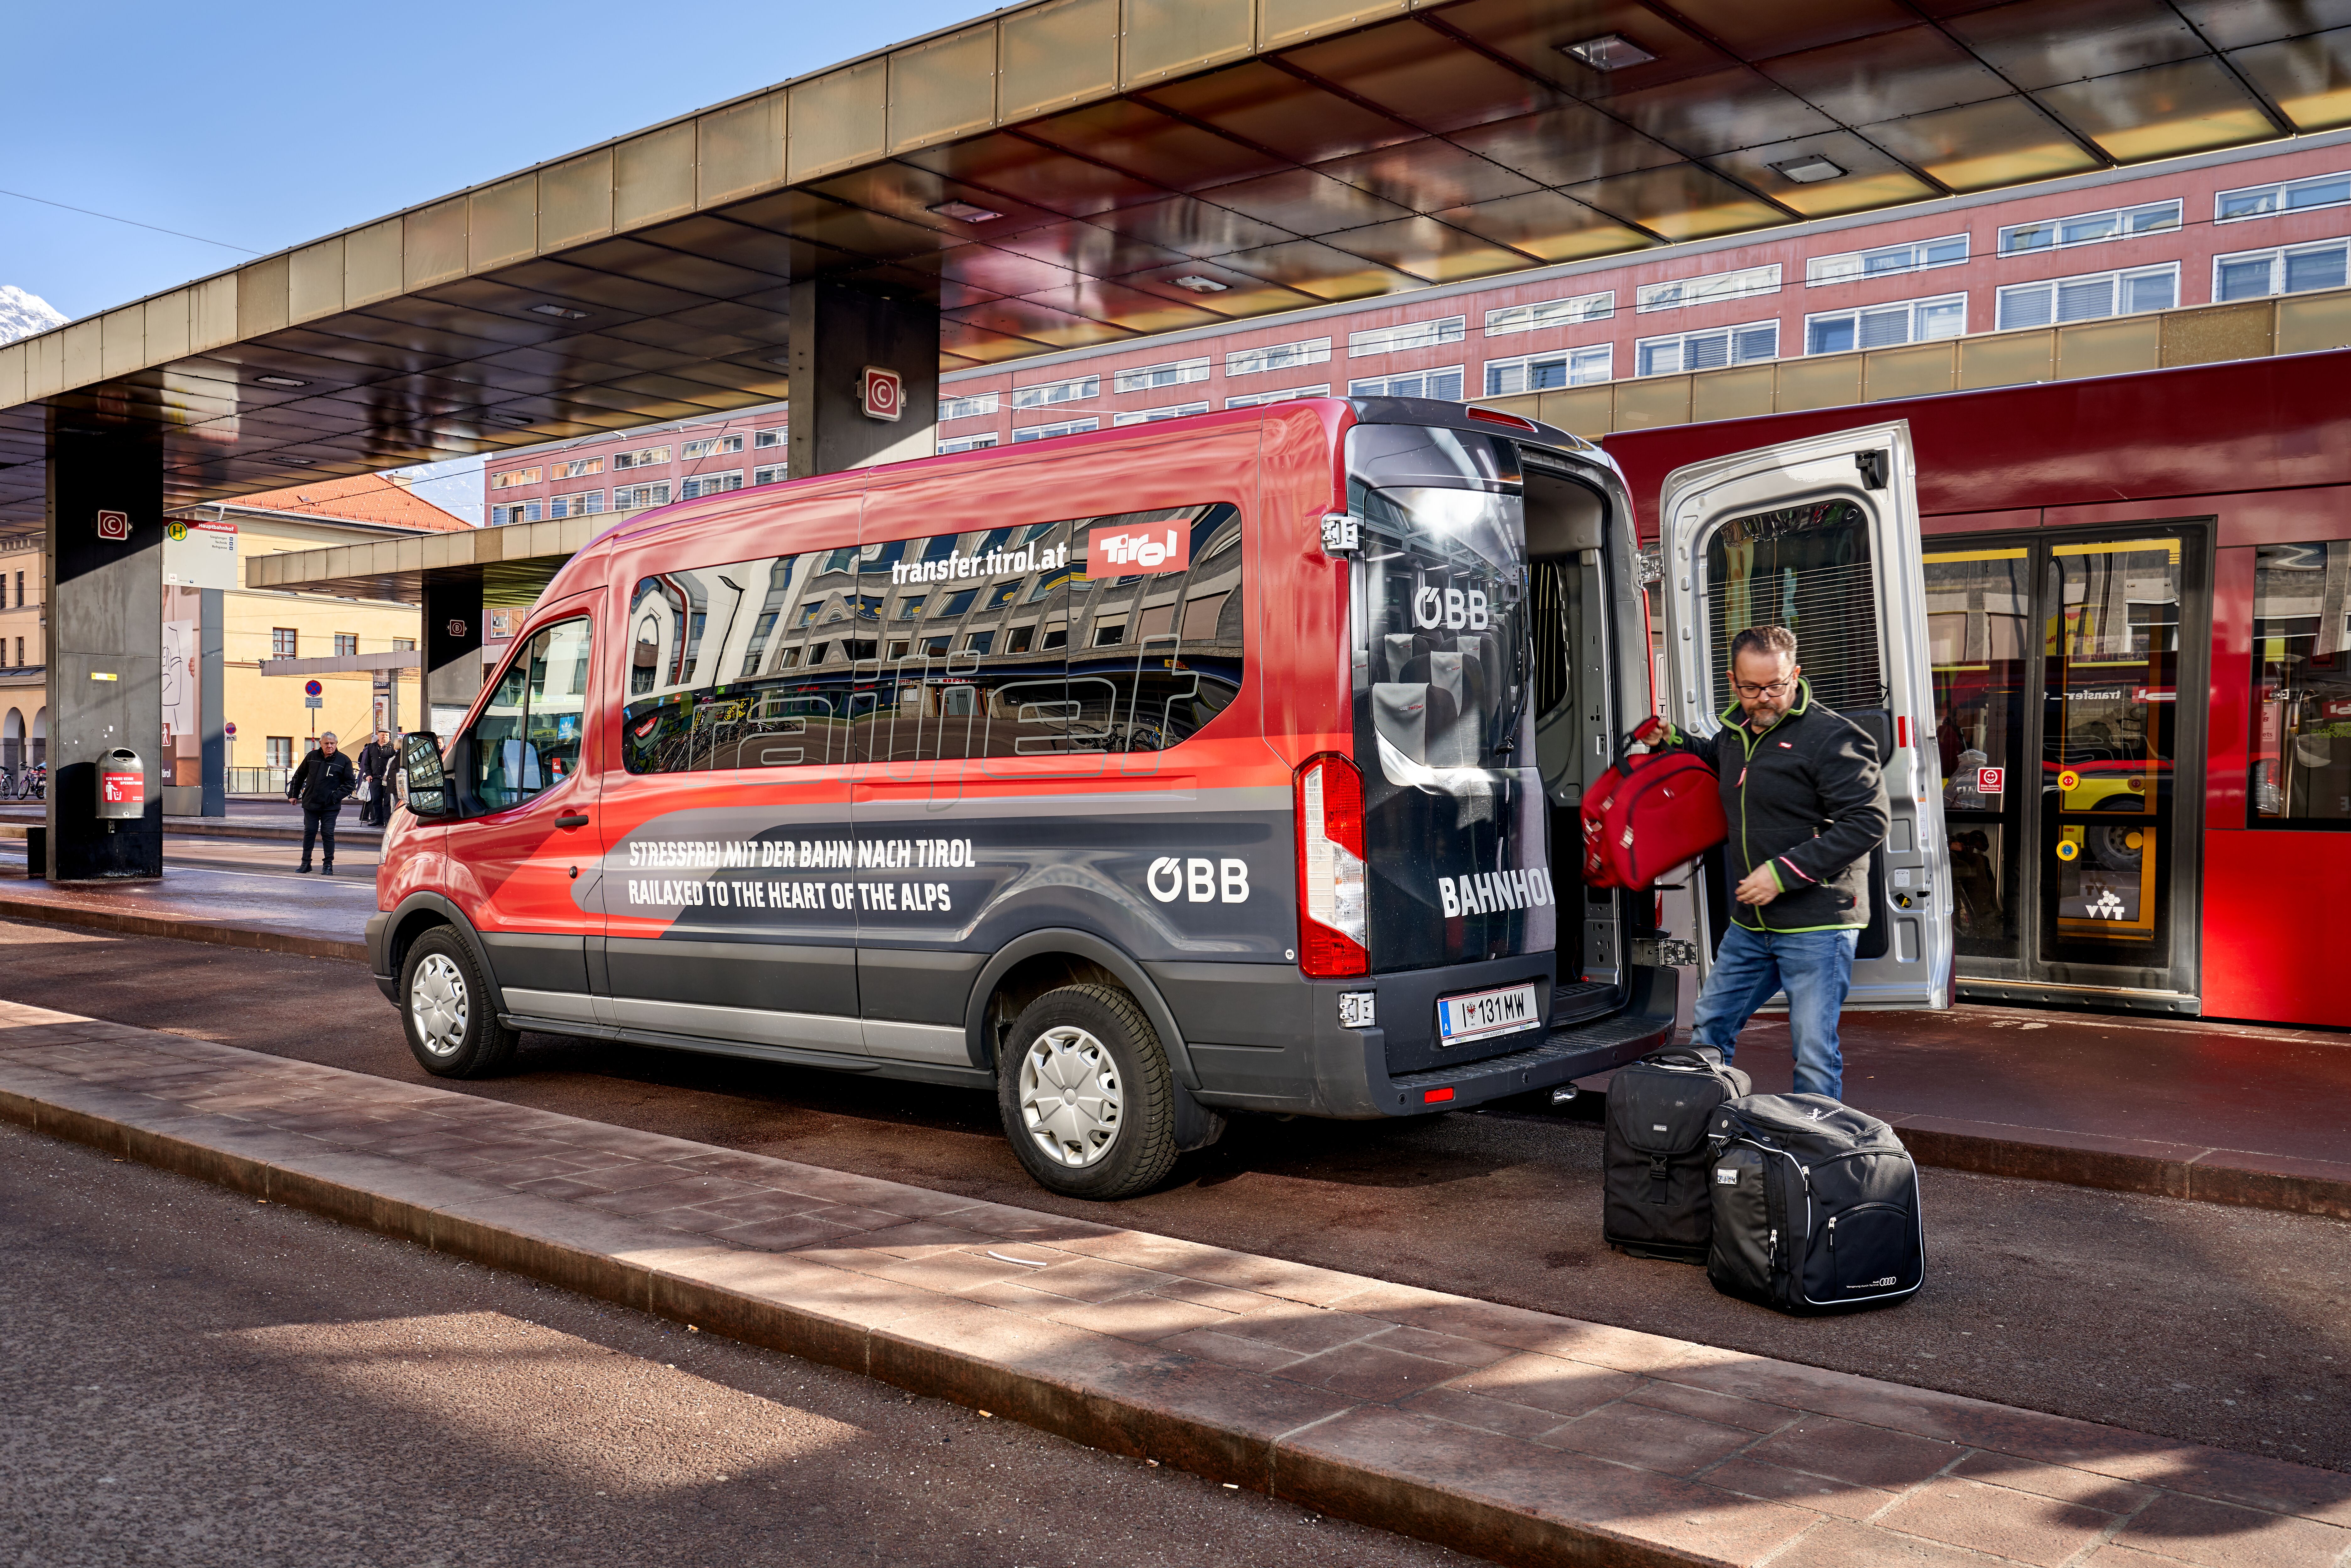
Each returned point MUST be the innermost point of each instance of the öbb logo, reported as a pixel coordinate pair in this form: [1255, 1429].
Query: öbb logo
[1455, 609]
[1198, 879]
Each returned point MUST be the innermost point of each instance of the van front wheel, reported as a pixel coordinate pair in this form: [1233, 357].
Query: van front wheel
[446, 1010]
[1086, 1095]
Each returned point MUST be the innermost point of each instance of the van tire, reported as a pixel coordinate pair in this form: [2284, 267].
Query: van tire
[446, 1010]
[1092, 1037]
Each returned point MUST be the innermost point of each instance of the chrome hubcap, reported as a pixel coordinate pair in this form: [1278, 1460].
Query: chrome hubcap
[1069, 1098]
[437, 1004]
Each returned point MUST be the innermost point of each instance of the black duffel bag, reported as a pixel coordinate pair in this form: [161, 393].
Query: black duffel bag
[1816, 1207]
[1657, 1158]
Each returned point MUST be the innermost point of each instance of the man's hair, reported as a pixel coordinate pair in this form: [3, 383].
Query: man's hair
[1768, 641]
[329, 734]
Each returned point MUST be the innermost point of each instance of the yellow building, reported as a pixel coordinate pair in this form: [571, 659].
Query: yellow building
[23, 655]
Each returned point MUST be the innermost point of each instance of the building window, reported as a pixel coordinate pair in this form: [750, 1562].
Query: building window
[775, 437]
[1707, 350]
[1151, 378]
[20, 654]
[1535, 372]
[580, 504]
[710, 446]
[279, 751]
[643, 457]
[2301, 686]
[2089, 297]
[1411, 335]
[577, 468]
[968, 443]
[2289, 196]
[703, 485]
[1542, 313]
[2089, 229]
[1154, 415]
[403, 644]
[629, 497]
[775, 474]
[971, 407]
[1258, 400]
[514, 477]
[347, 646]
[1277, 357]
[1077, 389]
[1445, 383]
[1855, 264]
[2289, 269]
[517, 512]
[1882, 326]
[282, 643]
[20, 590]
[1047, 432]
[1744, 284]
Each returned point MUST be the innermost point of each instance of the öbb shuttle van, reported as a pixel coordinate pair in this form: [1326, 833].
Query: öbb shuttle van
[1229, 764]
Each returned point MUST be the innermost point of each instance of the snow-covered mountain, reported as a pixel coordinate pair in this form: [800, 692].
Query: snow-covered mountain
[23, 314]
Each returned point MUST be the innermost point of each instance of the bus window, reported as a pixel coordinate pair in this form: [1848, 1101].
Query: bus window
[2302, 686]
[527, 737]
[1087, 637]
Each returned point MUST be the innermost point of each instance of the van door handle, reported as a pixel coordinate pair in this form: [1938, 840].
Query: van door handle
[572, 819]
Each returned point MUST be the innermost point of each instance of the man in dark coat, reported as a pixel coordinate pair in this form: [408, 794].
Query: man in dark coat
[323, 782]
[376, 760]
[1806, 804]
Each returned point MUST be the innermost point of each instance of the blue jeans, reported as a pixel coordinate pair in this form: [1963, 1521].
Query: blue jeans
[1814, 967]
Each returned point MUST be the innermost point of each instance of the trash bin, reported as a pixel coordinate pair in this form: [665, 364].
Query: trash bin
[122, 787]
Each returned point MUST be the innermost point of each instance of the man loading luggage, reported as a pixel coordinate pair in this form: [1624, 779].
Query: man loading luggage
[1806, 804]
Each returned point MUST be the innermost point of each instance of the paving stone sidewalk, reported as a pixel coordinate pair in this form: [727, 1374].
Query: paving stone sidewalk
[1518, 1434]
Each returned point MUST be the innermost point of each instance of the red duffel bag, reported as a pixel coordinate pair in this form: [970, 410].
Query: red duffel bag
[1648, 815]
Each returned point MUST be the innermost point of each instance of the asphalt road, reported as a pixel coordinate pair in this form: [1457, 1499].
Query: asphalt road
[2218, 1326]
[192, 1378]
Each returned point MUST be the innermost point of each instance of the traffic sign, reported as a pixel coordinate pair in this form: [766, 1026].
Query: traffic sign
[314, 702]
[311, 688]
[229, 731]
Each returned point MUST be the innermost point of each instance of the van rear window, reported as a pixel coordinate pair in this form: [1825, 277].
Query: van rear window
[1086, 637]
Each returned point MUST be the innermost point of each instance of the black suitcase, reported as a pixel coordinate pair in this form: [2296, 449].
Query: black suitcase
[1816, 1207]
[1655, 1154]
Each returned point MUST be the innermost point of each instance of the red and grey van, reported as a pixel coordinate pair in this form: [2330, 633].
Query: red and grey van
[1228, 764]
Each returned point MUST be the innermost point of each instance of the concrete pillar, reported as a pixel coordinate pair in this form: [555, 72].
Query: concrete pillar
[210, 703]
[452, 649]
[838, 330]
[106, 643]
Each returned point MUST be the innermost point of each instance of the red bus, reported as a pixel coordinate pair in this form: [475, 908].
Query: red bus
[2136, 597]
[1137, 778]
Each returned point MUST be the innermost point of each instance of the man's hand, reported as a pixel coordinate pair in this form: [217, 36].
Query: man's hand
[1758, 888]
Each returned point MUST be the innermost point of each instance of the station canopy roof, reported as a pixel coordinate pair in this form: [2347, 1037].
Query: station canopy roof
[1078, 172]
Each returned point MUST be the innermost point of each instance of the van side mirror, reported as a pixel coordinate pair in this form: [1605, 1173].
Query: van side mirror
[429, 794]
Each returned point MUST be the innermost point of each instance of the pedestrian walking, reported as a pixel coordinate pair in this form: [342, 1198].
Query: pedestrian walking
[375, 765]
[324, 781]
[1807, 802]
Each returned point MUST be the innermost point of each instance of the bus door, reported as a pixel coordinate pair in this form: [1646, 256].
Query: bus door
[1822, 536]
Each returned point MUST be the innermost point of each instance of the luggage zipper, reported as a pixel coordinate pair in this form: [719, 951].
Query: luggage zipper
[1832, 1235]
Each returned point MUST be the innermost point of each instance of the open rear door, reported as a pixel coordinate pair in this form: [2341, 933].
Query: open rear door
[1821, 536]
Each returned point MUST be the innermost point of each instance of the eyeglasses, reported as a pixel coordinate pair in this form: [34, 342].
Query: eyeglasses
[1744, 690]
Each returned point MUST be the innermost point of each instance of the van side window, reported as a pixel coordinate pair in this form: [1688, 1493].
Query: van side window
[1098, 636]
[527, 740]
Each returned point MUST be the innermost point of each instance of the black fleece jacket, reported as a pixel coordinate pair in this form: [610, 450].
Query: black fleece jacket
[1807, 798]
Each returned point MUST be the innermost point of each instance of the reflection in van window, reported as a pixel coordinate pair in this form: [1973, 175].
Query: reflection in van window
[527, 740]
[1098, 636]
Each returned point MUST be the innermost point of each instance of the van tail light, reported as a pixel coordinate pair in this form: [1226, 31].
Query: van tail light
[1334, 900]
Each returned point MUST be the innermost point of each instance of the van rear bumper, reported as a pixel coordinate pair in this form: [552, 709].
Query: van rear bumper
[1317, 1068]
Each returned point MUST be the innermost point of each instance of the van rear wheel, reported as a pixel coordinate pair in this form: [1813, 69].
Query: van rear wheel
[1086, 1095]
[445, 1009]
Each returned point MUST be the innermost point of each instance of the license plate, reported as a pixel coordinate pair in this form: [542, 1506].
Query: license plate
[1460, 1019]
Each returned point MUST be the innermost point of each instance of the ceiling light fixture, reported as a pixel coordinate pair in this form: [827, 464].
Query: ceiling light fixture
[1809, 169]
[1200, 285]
[562, 312]
[1608, 52]
[280, 381]
[965, 212]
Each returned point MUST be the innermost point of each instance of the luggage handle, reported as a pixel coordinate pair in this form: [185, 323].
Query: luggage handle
[1693, 1055]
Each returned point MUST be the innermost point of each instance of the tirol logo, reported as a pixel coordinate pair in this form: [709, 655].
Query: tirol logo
[1435, 604]
[1139, 549]
[1198, 879]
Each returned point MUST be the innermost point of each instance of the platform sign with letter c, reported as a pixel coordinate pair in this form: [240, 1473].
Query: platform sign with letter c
[881, 393]
[113, 525]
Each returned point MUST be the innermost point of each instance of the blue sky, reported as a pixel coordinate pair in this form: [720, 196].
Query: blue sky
[264, 124]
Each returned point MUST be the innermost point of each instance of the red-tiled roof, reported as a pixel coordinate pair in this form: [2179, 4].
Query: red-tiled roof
[363, 498]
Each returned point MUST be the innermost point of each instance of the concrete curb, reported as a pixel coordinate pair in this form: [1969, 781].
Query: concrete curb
[1699, 1455]
[122, 922]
